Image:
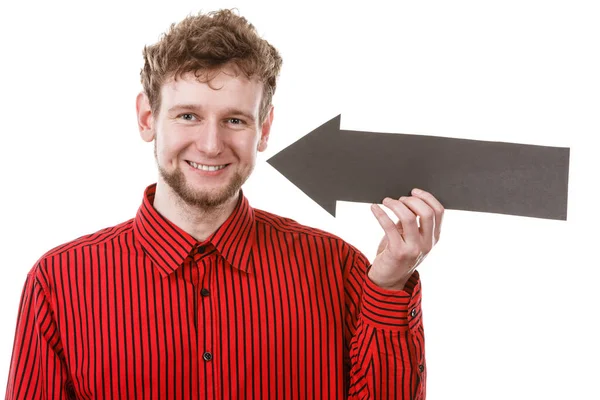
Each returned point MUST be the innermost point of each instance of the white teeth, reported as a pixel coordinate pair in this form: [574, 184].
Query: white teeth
[207, 167]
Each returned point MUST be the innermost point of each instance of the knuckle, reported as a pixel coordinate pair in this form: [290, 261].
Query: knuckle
[409, 222]
[407, 216]
[428, 213]
[413, 252]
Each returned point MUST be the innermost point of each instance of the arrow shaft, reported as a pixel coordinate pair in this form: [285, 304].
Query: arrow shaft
[506, 178]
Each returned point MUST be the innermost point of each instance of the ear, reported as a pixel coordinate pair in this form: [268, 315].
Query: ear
[144, 117]
[265, 130]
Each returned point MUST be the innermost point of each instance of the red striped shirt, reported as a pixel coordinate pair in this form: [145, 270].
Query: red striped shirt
[265, 308]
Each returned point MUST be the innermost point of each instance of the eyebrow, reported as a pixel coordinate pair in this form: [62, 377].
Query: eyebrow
[196, 107]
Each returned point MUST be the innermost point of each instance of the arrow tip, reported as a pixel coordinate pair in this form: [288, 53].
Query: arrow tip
[306, 162]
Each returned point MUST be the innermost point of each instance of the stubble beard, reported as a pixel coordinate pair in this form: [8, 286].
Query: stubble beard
[204, 199]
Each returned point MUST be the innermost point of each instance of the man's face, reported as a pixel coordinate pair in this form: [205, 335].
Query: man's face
[206, 139]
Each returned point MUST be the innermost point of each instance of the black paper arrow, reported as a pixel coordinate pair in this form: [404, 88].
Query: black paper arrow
[330, 164]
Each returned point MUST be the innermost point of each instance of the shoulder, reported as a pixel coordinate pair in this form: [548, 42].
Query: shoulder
[72, 250]
[287, 225]
[269, 223]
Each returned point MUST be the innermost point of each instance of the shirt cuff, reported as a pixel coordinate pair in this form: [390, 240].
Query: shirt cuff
[392, 309]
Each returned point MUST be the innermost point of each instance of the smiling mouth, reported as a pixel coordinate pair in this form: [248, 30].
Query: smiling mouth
[202, 167]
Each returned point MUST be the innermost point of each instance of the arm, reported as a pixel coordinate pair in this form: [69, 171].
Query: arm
[386, 338]
[387, 354]
[38, 369]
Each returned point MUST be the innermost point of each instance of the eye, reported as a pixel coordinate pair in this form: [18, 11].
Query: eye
[187, 117]
[235, 121]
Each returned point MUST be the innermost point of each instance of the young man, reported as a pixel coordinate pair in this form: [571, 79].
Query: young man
[200, 296]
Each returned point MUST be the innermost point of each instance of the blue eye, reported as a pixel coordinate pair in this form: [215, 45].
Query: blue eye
[187, 117]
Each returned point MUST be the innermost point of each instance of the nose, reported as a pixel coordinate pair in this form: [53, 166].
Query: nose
[209, 139]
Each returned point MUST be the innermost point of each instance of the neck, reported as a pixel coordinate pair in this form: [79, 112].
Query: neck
[200, 223]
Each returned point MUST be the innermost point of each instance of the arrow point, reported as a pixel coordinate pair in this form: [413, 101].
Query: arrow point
[308, 161]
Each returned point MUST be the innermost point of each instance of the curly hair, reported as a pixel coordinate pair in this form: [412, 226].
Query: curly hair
[203, 43]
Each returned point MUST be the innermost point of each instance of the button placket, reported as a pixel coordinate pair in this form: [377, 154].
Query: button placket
[205, 260]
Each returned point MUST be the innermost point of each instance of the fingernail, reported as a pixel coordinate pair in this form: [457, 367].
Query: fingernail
[417, 191]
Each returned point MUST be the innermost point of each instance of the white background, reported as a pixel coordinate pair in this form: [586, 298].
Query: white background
[511, 304]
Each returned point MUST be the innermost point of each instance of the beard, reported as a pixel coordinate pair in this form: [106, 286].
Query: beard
[204, 199]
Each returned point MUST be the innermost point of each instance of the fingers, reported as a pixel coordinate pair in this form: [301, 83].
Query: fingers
[436, 206]
[406, 218]
[422, 235]
[393, 235]
[426, 217]
[409, 244]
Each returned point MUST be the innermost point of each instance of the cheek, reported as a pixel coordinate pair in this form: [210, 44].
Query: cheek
[171, 144]
[252, 148]
[245, 147]
[166, 153]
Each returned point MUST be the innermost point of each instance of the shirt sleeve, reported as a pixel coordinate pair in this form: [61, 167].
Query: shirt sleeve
[37, 368]
[384, 332]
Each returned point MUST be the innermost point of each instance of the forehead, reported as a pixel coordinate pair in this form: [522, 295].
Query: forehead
[223, 88]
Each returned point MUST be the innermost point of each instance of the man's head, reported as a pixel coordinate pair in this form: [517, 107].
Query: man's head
[208, 85]
[206, 42]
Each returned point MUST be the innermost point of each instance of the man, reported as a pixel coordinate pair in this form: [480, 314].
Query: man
[202, 296]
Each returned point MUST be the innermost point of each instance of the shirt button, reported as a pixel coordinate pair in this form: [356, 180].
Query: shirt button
[207, 356]
[413, 313]
[204, 292]
[201, 249]
[421, 368]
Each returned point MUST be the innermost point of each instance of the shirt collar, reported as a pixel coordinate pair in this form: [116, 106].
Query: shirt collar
[168, 245]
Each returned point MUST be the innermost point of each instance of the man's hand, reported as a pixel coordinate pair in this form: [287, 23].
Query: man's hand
[407, 242]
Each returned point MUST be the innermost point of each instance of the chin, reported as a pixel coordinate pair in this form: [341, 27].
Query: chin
[198, 195]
